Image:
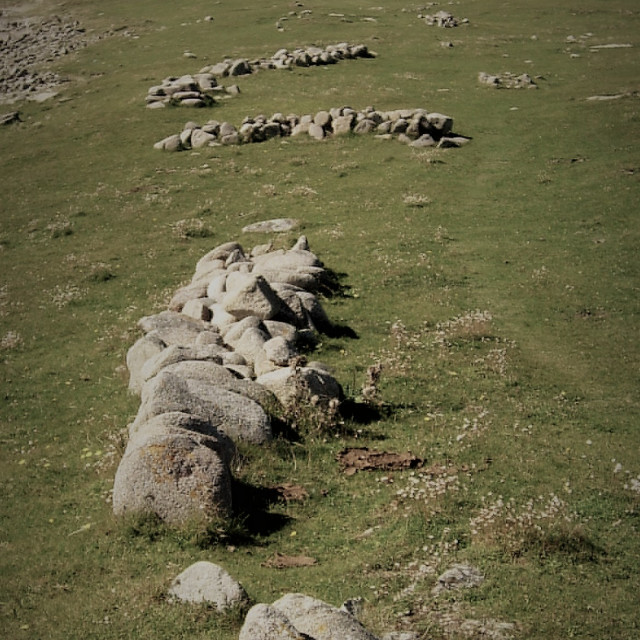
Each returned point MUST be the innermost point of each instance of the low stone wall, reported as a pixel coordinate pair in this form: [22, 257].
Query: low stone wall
[287, 59]
[416, 127]
[212, 369]
[442, 19]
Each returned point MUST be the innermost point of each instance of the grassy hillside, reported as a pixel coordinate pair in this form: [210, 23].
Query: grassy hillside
[498, 284]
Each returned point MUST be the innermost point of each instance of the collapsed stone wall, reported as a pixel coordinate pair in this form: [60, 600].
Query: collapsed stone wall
[507, 80]
[416, 127]
[26, 46]
[212, 369]
[202, 89]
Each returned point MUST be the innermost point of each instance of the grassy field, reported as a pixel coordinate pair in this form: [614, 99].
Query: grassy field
[498, 285]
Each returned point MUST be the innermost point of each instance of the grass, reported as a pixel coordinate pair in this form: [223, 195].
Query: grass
[497, 284]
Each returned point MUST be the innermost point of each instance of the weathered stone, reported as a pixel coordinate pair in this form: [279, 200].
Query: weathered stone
[200, 138]
[186, 293]
[173, 328]
[279, 351]
[176, 353]
[287, 383]
[316, 131]
[178, 477]
[210, 583]
[250, 296]
[459, 576]
[271, 226]
[198, 308]
[238, 417]
[320, 620]
[170, 143]
[145, 348]
[264, 622]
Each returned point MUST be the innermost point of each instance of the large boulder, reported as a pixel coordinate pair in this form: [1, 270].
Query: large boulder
[264, 622]
[320, 620]
[235, 415]
[207, 582]
[173, 327]
[177, 477]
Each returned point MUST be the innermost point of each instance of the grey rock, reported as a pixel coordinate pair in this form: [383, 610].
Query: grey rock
[320, 620]
[264, 622]
[186, 293]
[279, 351]
[251, 295]
[232, 414]
[145, 348]
[198, 308]
[177, 353]
[276, 225]
[459, 576]
[178, 477]
[207, 582]
[288, 383]
[174, 328]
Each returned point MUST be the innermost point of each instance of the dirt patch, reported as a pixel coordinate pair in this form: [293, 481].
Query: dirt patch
[353, 460]
[282, 561]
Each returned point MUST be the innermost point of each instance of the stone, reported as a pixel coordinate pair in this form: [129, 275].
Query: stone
[279, 351]
[178, 423]
[170, 143]
[320, 620]
[316, 131]
[177, 477]
[264, 622]
[251, 295]
[186, 293]
[209, 583]
[459, 576]
[145, 348]
[240, 68]
[217, 375]
[200, 138]
[232, 414]
[287, 383]
[277, 225]
[174, 328]
[177, 353]
[198, 308]
[342, 125]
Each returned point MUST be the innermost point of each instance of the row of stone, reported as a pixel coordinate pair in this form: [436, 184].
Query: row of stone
[416, 127]
[212, 370]
[442, 19]
[296, 616]
[507, 80]
[197, 90]
[287, 59]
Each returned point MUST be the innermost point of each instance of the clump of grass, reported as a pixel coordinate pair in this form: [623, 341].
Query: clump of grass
[59, 228]
[11, 340]
[469, 327]
[543, 525]
[191, 228]
[100, 272]
[416, 200]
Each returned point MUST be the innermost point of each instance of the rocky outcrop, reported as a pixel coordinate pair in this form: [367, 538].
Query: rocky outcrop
[416, 127]
[27, 46]
[212, 369]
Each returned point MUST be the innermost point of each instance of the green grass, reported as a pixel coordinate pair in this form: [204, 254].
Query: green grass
[535, 222]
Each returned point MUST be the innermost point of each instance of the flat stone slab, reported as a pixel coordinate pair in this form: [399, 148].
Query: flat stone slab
[277, 225]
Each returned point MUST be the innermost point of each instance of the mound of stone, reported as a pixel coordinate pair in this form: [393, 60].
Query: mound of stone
[212, 368]
[27, 46]
[197, 90]
[416, 127]
[442, 19]
[507, 80]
